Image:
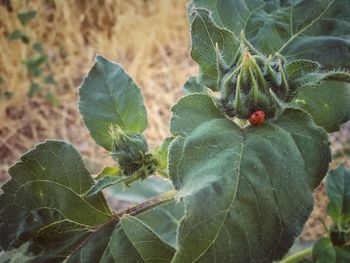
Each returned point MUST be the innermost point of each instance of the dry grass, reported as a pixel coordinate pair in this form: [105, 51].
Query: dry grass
[149, 38]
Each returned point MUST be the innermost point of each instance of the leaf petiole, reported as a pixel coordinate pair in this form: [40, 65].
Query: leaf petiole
[297, 256]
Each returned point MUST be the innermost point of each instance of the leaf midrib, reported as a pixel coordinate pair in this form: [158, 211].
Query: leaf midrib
[232, 201]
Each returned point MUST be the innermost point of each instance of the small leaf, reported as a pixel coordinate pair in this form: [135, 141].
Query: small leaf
[108, 96]
[25, 17]
[338, 192]
[192, 86]
[161, 155]
[109, 171]
[34, 89]
[205, 37]
[105, 182]
[328, 103]
[38, 47]
[33, 65]
[17, 34]
[50, 79]
[323, 251]
[298, 68]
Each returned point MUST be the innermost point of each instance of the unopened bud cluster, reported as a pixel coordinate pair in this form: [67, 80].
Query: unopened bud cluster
[129, 149]
[253, 83]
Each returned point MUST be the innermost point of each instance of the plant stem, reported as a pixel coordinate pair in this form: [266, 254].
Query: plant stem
[156, 201]
[297, 256]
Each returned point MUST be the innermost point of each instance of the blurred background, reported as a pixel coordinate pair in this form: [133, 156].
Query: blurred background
[46, 48]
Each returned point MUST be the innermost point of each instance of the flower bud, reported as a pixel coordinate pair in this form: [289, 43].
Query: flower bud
[128, 149]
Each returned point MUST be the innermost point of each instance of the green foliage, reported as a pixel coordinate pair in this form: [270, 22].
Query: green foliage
[239, 192]
[303, 29]
[15, 35]
[261, 179]
[25, 17]
[109, 97]
[36, 63]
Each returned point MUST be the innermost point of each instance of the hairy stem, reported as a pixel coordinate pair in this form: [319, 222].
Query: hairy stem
[297, 256]
[156, 201]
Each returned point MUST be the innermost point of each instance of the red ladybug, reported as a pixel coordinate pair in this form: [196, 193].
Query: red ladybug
[257, 118]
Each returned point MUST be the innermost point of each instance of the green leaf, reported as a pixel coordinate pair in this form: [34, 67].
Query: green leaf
[46, 218]
[129, 241]
[104, 183]
[34, 64]
[108, 96]
[34, 89]
[141, 191]
[205, 36]
[303, 29]
[192, 86]
[247, 192]
[52, 98]
[50, 79]
[327, 102]
[323, 251]
[25, 17]
[161, 155]
[109, 171]
[343, 254]
[38, 47]
[44, 196]
[338, 192]
[164, 220]
[146, 242]
[17, 34]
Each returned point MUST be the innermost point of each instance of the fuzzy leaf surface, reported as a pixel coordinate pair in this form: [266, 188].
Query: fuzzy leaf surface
[164, 220]
[205, 36]
[324, 252]
[46, 217]
[327, 102]
[44, 196]
[247, 192]
[304, 29]
[108, 96]
[338, 192]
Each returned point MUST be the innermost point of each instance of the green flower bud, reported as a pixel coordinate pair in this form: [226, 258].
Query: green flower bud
[128, 149]
[252, 83]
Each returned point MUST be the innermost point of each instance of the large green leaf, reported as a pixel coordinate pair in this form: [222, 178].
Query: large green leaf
[108, 96]
[248, 191]
[45, 216]
[318, 30]
[44, 195]
[129, 240]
